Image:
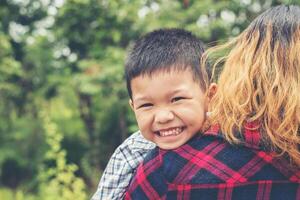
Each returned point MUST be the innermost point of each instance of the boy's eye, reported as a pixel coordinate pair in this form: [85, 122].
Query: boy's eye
[177, 99]
[145, 105]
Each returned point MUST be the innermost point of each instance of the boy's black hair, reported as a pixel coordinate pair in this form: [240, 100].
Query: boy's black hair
[166, 49]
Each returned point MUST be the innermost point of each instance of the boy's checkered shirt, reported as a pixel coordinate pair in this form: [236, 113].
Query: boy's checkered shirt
[121, 167]
[208, 167]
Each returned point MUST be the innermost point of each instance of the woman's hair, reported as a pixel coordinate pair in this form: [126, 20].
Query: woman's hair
[260, 81]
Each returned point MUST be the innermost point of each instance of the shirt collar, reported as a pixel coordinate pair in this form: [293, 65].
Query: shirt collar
[249, 137]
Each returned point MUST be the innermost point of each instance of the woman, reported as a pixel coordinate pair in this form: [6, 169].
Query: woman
[252, 149]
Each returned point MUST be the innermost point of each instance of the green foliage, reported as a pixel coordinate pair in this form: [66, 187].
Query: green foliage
[59, 181]
[8, 194]
[9, 69]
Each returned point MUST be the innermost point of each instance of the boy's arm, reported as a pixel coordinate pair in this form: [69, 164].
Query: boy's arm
[121, 167]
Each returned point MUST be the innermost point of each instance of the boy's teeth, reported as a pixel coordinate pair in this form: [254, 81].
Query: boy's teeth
[174, 131]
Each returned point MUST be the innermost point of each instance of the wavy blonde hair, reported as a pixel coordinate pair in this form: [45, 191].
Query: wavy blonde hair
[260, 81]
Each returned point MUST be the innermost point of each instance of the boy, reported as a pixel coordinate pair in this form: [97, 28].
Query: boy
[169, 91]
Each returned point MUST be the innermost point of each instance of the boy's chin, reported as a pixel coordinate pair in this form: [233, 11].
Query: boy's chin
[171, 146]
[174, 142]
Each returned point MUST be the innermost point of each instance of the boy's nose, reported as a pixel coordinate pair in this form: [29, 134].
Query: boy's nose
[163, 116]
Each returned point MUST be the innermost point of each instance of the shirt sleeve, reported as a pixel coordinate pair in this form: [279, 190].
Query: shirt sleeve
[121, 167]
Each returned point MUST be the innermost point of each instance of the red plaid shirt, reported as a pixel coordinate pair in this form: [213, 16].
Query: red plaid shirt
[208, 167]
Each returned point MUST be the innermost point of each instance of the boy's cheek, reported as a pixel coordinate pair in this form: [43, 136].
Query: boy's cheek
[142, 114]
[141, 119]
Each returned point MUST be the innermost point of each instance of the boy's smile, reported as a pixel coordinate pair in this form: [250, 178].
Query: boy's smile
[169, 107]
[169, 132]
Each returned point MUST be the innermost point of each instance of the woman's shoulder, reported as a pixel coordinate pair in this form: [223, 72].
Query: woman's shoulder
[209, 158]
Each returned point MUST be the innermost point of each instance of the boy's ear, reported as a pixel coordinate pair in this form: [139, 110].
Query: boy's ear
[212, 89]
[131, 104]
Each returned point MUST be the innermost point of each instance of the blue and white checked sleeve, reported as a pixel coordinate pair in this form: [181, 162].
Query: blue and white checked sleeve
[121, 167]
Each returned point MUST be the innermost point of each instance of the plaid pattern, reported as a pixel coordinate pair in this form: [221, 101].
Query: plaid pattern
[208, 167]
[121, 167]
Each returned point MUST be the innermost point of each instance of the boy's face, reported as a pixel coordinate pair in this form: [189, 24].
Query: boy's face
[169, 107]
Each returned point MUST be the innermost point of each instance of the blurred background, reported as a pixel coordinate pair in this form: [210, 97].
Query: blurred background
[63, 101]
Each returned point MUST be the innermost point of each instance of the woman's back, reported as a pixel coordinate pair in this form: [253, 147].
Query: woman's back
[208, 167]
